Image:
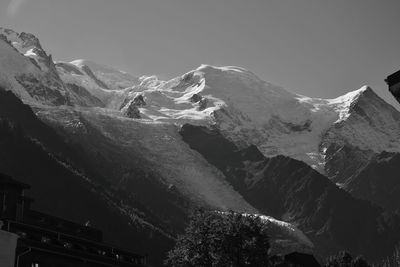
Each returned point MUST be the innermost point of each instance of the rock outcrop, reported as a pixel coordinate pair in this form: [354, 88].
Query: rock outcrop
[132, 111]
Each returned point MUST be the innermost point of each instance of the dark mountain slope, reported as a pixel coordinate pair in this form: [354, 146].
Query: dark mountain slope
[341, 170]
[14, 110]
[124, 171]
[379, 181]
[58, 189]
[291, 190]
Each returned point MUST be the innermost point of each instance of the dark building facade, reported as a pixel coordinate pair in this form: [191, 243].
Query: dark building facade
[47, 241]
[393, 81]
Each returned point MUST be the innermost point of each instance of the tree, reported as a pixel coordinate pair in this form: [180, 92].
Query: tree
[221, 239]
[344, 259]
[360, 262]
[393, 260]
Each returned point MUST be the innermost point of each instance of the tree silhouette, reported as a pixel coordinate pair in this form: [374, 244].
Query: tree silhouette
[344, 259]
[221, 239]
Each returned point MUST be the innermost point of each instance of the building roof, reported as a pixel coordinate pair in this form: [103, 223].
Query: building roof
[393, 78]
[5, 179]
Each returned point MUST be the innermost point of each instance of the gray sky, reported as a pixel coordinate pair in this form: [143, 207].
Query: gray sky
[318, 48]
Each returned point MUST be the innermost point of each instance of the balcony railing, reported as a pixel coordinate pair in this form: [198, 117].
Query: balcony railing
[75, 245]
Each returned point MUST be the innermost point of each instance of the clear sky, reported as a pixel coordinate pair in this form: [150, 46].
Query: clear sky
[318, 48]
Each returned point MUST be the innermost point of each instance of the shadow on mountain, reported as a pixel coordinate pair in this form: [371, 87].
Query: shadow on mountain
[34, 153]
[290, 190]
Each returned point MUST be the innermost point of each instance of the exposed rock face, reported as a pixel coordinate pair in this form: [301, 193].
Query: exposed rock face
[131, 107]
[29, 71]
[199, 100]
[5, 39]
[39, 78]
[132, 111]
[44, 90]
[29, 45]
[29, 40]
[195, 98]
[124, 103]
[139, 101]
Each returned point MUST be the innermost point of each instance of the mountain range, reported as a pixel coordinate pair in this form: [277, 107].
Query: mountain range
[135, 154]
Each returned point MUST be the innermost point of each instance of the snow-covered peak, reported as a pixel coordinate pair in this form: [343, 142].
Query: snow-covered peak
[11, 65]
[249, 110]
[29, 45]
[343, 104]
[242, 72]
[351, 96]
[113, 78]
[96, 67]
[22, 41]
[26, 78]
[232, 89]
[367, 122]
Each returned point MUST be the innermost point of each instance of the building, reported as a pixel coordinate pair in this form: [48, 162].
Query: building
[29, 238]
[393, 82]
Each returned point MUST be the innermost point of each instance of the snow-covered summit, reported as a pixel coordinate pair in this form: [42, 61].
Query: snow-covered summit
[113, 78]
[367, 122]
[344, 103]
[28, 71]
[29, 45]
[249, 110]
